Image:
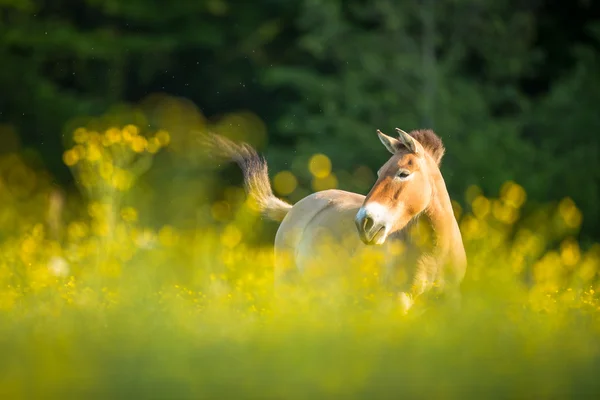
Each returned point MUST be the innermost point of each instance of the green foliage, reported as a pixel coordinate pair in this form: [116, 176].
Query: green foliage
[564, 127]
[382, 78]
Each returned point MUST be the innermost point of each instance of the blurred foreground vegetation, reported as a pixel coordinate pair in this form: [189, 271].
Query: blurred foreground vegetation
[148, 285]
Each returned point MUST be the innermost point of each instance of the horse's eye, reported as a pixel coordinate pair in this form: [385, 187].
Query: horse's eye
[403, 174]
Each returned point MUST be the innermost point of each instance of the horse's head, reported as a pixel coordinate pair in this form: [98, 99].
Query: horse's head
[404, 187]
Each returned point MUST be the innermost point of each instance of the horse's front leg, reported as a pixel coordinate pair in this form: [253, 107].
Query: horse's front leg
[406, 301]
[422, 283]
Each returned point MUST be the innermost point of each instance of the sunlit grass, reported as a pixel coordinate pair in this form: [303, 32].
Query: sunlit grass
[114, 308]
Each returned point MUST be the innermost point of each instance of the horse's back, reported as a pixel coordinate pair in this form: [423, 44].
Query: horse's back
[318, 240]
[318, 226]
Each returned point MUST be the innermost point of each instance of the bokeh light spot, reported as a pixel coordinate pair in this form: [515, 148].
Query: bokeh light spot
[70, 158]
[231, 236]
[319, 165]
[481, 207]
[328, 182]
[570, 213]
[285, 183]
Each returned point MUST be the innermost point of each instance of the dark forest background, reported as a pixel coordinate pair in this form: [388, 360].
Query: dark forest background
[512, 87]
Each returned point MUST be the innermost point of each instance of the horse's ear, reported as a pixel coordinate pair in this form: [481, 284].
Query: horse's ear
[389, 142]
[408, 141]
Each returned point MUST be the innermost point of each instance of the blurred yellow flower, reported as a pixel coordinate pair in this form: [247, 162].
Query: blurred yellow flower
[469, 226]
[94, 153]
[105, 170]
[28, 245]
[473, 191]
[513, 194]
[570, 213]
[328, 182]
[80, 150]
[94, 137]
[504, 213]
[129, 214]
[113, 135]
[319, 165]
[100, 228]
[77, 229]
[285, 183]
[163, 137]
[80, 135]
[121, 179]
[481, 207]
[130, 131]
[70, 158]
[231, 236]
[138, 144]
[96, 209]
[153, 145]
[570, 252]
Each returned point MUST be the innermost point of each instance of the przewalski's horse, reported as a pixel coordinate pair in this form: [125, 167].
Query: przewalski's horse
[410, 189]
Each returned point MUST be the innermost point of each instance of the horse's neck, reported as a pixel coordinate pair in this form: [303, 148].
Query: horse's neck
[447, 240]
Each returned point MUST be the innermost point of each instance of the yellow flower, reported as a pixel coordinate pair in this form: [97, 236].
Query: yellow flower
[513, 194]
[95, 209]
[153, 145]
[570, 252]
[77, 230]
[285, 183]
[231, 236]
[94, 137]
[129, 214]
[138, 144]
[113, 135]
[481, 207]
[94, 153]
[129, 132]
[106, 170]
[163, 137]
[319, 165]
[570, 213]
[87, 178]
[100, 228]
[70, 158]
[106, 141]
[328, 182]
[121, 179]
[80, 135]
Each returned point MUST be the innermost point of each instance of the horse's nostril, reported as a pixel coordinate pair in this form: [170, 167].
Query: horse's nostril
[368, 223]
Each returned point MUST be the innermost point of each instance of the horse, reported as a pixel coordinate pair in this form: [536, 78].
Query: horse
[409, 191]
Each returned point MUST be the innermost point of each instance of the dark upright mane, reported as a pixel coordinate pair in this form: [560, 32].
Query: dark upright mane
[431, 142]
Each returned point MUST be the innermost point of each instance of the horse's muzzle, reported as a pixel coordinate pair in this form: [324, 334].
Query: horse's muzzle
[369, 230]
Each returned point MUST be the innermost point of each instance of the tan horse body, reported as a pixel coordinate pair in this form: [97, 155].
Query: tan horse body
[321, 235]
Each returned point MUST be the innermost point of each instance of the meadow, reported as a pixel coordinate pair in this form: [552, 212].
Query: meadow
[97, 302]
